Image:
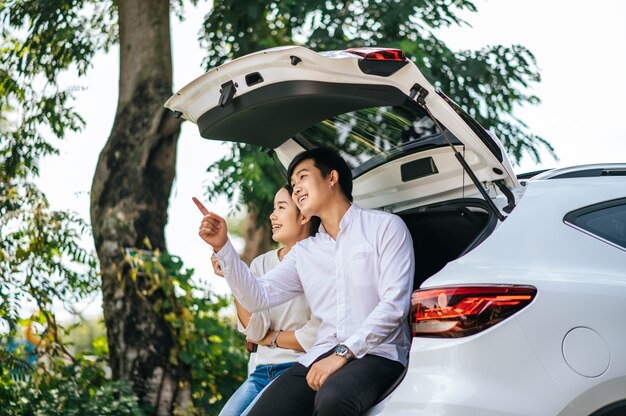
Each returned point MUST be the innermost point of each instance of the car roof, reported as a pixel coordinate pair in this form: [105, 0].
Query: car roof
[582, 171]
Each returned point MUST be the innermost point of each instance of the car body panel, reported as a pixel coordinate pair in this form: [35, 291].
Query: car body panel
[580, 281]
[562, 250]
[494, 374]
[383, 187]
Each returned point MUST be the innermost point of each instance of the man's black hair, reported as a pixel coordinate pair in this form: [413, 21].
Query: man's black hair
[326, 160]
[314, 222]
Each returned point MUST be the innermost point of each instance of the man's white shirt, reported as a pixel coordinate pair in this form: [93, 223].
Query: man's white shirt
[293, 315]
[358, 286]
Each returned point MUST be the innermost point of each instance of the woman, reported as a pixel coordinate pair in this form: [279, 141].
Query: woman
[284, 332]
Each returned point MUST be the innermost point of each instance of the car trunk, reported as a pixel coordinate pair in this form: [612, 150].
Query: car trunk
[412, 151]
[406, 142]
[443, 232]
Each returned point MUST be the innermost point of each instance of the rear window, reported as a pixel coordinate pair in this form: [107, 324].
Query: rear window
[606, 221]
[369, 137]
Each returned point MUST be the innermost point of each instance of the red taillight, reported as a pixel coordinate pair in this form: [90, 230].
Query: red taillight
[379, 54]
[450, 312]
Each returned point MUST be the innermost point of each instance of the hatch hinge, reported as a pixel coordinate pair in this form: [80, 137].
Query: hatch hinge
[509, 195]
[478, 185]
[418, 94]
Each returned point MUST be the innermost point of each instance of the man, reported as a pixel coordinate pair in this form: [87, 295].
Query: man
[357, 275]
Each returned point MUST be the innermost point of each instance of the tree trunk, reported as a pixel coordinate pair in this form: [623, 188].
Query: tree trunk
[258, 237]
[129, 200]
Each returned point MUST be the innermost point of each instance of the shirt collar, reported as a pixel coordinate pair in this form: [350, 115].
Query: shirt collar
[347, 218]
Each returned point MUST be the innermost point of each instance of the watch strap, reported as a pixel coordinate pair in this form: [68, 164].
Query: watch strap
[273, 343]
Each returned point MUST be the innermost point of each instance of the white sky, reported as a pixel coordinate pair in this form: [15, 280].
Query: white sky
[580, 49]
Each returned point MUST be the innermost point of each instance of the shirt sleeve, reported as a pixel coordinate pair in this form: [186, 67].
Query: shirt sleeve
[260, 322]
[307, 335]
[277, 286]
[397, 267]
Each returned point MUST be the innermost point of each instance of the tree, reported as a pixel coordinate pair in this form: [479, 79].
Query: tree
[41, 259]
[129, 199]
[147, 303]
[134, 176]
[488, 83]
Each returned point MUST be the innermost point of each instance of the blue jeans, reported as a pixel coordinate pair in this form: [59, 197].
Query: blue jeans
[240, 402]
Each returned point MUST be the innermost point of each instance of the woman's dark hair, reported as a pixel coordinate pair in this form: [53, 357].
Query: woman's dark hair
[326, 160]
[314, 222]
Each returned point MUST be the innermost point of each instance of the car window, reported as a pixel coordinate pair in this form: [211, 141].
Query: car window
[369, 137]
[606, 221]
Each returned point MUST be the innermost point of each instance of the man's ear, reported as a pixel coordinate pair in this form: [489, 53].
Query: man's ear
[333, 176]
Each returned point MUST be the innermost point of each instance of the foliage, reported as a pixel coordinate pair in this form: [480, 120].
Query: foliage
[205, 341]
[41, 261]
[55, 387]
[39, 41]
[47, 37]
[41, 258]
[88, 337]
[488, 83]
[243, 176]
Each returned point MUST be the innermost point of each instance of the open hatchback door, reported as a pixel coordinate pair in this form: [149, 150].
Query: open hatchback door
[407, 144]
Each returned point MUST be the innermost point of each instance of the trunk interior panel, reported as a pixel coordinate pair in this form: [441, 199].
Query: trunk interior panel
[443, 232]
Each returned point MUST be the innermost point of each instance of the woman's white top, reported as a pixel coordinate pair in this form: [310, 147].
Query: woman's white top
[293, 315]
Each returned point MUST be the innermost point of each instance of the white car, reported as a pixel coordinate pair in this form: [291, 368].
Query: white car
[520, 298]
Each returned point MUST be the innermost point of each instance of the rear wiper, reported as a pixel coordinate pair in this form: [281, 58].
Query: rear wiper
[418, 94]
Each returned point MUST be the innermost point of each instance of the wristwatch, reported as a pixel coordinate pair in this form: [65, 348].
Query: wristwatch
[273, 343]
[343, 351]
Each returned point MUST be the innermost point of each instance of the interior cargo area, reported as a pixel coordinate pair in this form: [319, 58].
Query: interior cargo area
[445, 231]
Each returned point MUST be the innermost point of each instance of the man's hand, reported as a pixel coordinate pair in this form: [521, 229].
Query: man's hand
[213, 229]
[217, 267]
[324, 368]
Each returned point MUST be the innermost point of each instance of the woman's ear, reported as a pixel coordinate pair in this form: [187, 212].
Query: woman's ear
[304, 219]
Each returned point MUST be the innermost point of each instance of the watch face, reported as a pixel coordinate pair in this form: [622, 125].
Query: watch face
[341, 349]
